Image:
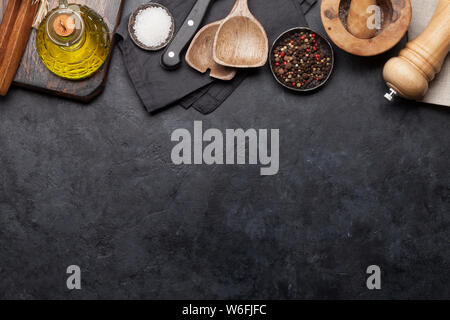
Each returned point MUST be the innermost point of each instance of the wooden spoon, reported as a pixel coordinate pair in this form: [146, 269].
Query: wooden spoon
[200, 53]
[241, 41]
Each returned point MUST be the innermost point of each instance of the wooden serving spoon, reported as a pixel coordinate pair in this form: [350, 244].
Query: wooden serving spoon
[241, 41]
[200, 53]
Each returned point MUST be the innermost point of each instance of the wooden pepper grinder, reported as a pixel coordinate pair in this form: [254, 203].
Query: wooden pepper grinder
[409, 74]
[358, 16]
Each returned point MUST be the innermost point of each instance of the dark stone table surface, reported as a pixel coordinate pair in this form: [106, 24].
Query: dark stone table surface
[361, 182]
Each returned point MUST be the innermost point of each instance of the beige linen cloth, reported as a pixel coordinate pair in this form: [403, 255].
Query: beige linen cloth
[423, 11]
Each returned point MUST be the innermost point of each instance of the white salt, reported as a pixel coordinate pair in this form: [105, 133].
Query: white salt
[152, 26]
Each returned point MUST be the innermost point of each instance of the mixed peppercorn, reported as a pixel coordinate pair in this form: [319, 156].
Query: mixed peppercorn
[302, 60]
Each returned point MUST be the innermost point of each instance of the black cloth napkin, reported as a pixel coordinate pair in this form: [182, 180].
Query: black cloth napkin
[159, 88]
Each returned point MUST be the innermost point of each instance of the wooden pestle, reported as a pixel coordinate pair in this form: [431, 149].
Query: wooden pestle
[357, 19]
[409, 74]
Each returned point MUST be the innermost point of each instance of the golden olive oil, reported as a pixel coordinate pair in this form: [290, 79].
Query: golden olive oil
[82, 53]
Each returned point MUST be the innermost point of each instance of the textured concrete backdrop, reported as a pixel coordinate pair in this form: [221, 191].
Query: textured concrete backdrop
[362, 182]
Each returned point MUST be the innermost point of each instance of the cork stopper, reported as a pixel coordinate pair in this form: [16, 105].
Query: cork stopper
[64, 25]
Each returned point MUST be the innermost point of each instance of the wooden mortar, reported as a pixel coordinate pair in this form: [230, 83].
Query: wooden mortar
[396, 19]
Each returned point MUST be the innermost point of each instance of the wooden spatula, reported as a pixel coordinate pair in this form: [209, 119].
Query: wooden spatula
[241, 41]
[15, 30]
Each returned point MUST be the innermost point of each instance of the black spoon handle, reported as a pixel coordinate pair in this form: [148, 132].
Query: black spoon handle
[171, 58]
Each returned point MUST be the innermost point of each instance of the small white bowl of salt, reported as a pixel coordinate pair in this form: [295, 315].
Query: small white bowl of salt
[151, 26]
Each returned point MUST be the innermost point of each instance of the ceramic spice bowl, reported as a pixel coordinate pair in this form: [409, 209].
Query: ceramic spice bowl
[132, 25]
[301, 59]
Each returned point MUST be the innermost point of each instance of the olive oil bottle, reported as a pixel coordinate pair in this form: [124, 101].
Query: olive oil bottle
[73, 41]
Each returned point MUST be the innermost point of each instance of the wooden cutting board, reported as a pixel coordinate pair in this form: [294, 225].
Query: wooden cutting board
[34, 75]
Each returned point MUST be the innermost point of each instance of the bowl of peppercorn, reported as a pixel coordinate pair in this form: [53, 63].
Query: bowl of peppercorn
[301, 59]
